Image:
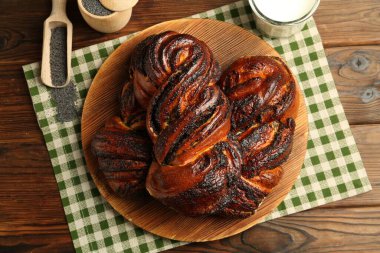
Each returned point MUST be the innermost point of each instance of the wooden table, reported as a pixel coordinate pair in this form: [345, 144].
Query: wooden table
[31, 214]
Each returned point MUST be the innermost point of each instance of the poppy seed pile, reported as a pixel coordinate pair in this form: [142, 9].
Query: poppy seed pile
[64, 97]
[65, 101]
[96, 8]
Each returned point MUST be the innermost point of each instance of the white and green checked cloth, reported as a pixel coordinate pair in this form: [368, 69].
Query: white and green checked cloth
[332, 170]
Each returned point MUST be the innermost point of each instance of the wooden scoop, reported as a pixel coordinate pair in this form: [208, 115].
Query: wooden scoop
[58, 18]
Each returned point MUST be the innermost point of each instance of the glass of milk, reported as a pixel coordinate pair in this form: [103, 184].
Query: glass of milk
[282, 18]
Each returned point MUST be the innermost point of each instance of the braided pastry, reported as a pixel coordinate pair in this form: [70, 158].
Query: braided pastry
[264, 103]
[262, 93]
[217, 144]
[123, 147]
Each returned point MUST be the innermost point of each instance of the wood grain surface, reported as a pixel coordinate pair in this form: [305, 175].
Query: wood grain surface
[31, 214]
[102, 103]
[356, 75]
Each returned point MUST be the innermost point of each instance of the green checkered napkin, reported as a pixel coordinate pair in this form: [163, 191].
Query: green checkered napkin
[332, 170]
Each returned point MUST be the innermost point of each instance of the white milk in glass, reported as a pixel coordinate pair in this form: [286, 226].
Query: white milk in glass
[284, 10]
[282, 18]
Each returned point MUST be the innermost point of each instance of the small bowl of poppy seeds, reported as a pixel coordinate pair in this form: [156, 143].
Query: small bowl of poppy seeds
[102, 19]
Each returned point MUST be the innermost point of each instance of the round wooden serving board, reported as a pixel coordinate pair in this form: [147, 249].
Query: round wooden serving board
[228, 43]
